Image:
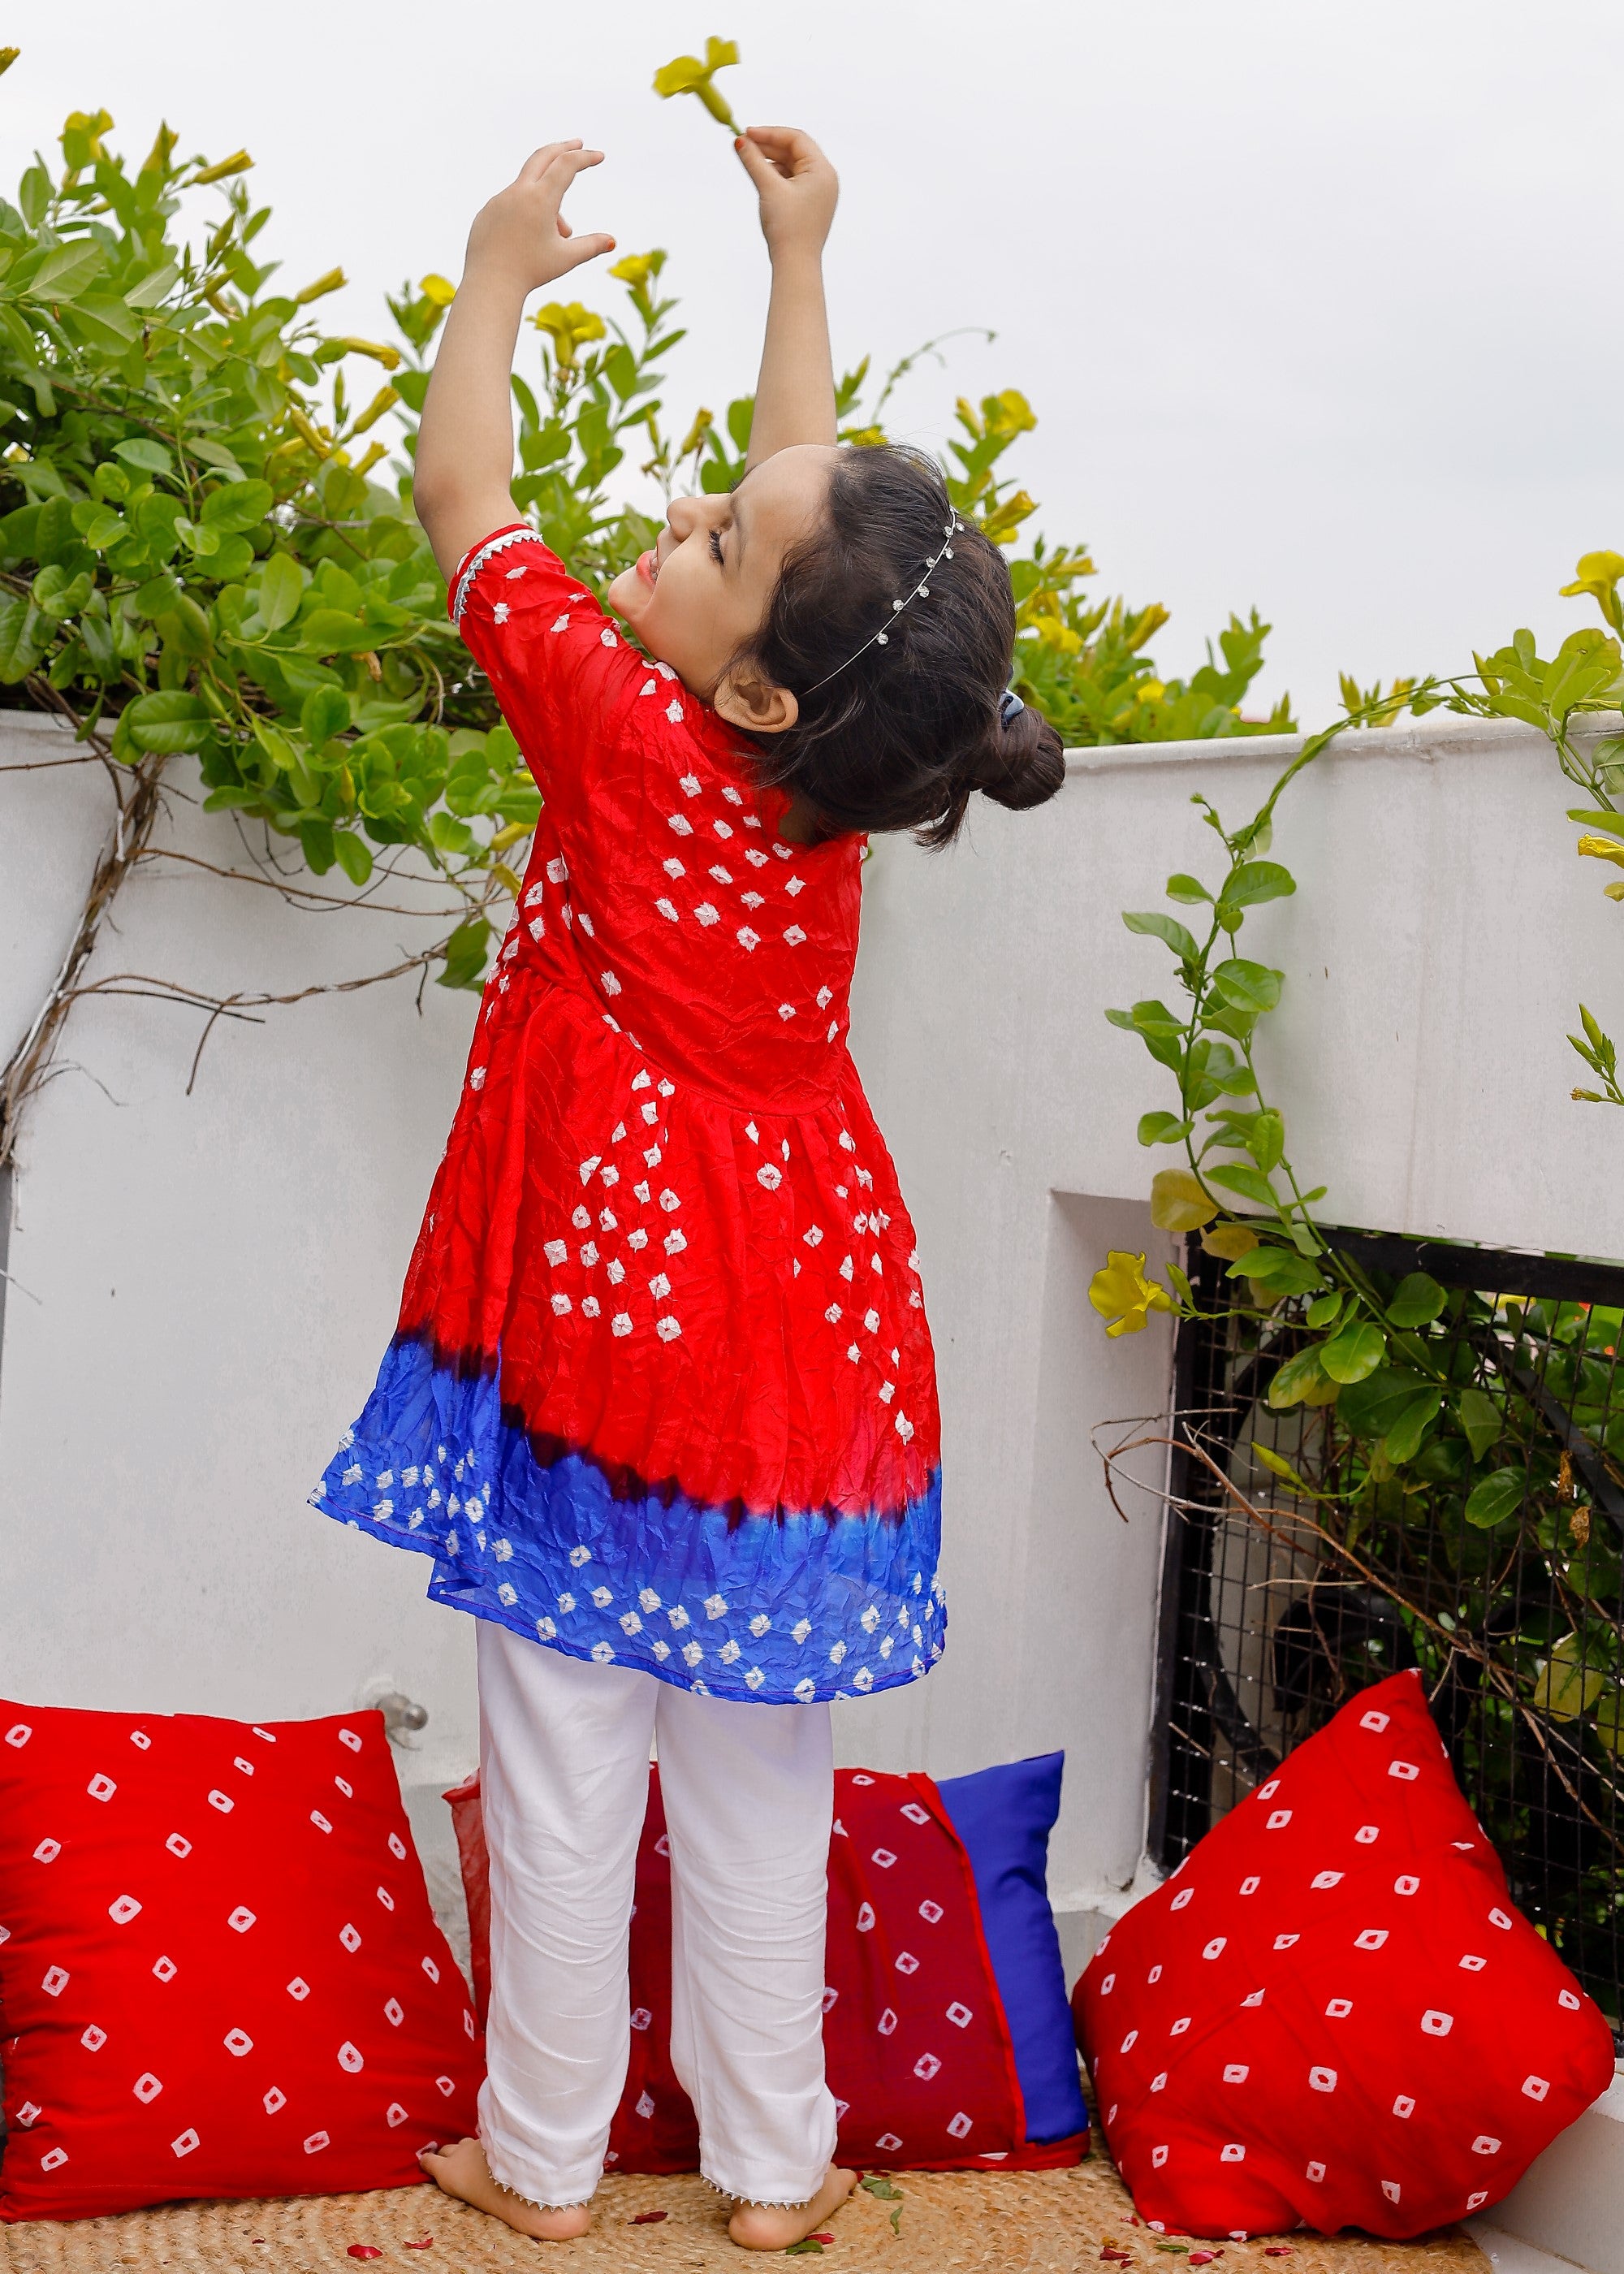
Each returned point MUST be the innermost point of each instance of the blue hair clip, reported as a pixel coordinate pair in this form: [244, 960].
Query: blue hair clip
[1008, 705]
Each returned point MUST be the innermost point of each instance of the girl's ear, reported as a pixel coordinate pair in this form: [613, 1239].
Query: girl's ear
[757, 705]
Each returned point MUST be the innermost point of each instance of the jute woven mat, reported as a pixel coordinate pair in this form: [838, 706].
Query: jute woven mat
[958, 2223]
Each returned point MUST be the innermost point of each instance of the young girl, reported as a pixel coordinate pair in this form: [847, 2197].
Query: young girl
[661, 1405]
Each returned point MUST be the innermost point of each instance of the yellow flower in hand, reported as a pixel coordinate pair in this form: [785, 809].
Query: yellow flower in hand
[1122, 1288]
[686, 75]
[638, 267]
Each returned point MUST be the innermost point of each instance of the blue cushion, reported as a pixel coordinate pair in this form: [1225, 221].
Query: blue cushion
[1004, 1816]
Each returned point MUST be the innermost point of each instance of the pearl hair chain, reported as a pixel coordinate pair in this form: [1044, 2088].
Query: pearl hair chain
[921, 592]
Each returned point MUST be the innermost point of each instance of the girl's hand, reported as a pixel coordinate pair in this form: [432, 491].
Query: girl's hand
[521, 238]
[798, 187]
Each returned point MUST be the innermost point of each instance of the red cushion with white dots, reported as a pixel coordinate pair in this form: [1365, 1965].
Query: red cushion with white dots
[916, 2040]
[218, 1966]
[1332, 2015]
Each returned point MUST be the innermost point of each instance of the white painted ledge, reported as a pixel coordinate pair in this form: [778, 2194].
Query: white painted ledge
[1506, 2255]
[1571, 2201]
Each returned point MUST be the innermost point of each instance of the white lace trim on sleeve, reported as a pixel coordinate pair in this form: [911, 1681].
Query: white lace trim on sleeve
[477, 561]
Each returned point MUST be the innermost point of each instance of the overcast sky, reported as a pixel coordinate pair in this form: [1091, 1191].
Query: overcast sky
[1317, 304]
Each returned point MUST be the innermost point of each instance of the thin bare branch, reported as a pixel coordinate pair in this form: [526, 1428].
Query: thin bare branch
[296, 895]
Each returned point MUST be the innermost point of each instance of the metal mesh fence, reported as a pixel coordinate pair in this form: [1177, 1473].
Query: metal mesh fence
[1272, 1618]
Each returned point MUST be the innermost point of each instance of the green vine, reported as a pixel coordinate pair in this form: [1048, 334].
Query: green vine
[1421, 1392]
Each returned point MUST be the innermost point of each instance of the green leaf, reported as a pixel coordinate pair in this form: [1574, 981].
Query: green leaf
[334, 631]
[168, 722]
[281, 588]
[1251, 1183]
[1496, 1497]
[1257, 880]
[875, 2183]
[353, 855]
[1370, 1408]
[140, 450]
[1248, 986]
[25, 635]
[237, 505]
[1281, 1269]
[1417, 1299]
[1188, 889]
[1301, 1378]
[1161, 1129]
[1267, 1140]
[1402, 1441]
[1574, 1676]
[67, 270]
[1481, 1420]
[465, 955]
[324, 713]
[1322, 1313]
[1165, 928]
[1354, 1351]
[155, 288]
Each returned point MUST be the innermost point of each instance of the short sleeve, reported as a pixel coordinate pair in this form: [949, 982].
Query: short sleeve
[565, 679]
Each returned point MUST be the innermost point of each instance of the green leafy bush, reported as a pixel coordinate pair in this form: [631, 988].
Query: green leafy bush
[205, 551]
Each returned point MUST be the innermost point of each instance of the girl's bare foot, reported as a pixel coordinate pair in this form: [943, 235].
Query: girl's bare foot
[770, 2227]
[462, 2171]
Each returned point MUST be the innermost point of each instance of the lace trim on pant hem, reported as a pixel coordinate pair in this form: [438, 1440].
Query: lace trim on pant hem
[535, 2203]
[758, 2203]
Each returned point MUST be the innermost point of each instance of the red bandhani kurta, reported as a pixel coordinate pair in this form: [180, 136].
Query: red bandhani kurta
[662, 1391]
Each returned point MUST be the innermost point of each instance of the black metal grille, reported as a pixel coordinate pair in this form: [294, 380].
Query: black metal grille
[1271, 1621]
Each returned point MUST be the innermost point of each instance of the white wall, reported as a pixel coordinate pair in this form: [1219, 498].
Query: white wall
[204, 1285]
[1443, 936]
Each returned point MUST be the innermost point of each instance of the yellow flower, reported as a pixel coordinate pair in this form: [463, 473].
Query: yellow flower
[1124, 1296]
[568, 327]
[637, 268]
[686, 75]
[1056, 633]
[1599, 575]
[1603, 848]
[1008, 412]
[439, 289]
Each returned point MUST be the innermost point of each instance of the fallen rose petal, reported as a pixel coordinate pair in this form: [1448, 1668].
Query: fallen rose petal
[648, 2217]
[364, 2250]
[427, 2243]
[821, 2238]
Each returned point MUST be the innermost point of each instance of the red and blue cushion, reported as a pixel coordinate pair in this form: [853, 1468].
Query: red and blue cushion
[946, 2031]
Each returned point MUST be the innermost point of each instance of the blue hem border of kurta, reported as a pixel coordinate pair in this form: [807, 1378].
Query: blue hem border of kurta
[777, 1610]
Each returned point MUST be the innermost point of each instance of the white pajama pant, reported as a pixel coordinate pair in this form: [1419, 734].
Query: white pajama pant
[748, 1792]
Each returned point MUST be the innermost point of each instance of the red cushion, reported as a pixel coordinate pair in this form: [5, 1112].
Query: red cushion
[219, 1969]
[1331, 2014]
[918, 2048]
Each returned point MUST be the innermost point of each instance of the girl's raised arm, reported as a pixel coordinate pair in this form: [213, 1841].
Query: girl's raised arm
[795, 392]
[519, 242]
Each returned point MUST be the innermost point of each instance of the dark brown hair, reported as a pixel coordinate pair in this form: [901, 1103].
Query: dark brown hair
[902, 735]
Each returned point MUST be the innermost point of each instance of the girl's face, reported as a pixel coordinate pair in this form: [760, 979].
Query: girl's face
[703, 593]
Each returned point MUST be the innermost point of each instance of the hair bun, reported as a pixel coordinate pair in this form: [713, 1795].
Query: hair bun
[1020, 763]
